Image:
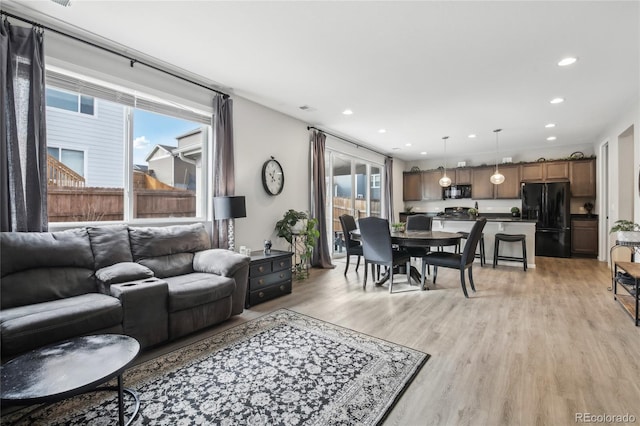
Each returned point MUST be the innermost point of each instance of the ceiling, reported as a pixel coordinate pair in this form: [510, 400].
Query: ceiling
[420, 70]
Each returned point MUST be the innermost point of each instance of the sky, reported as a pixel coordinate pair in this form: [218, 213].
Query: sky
[151, 129]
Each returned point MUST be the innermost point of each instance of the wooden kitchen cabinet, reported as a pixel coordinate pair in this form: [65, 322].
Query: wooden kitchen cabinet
[431, 189]
[582, 174]
[545, 171]
[412, 186]
[481, 187]
[462, 177]
[510, 188]
[556, 170]
[584, 237]
[532, 172]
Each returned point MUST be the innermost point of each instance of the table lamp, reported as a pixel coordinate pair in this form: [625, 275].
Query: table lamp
[229, 208]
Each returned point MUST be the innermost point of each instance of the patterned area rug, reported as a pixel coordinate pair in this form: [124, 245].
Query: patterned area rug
[283, 368]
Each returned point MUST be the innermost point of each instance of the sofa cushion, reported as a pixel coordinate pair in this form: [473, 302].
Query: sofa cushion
[110, 245]
[168, 251]
[30, 326]
[45, 284]
[187, 291]
[121, 273]
[161, 241]
[28, 250]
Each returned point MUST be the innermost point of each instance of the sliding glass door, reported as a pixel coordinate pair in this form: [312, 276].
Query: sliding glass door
[353, 188]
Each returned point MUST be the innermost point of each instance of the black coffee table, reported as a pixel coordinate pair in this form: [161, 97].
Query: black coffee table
[69, 368]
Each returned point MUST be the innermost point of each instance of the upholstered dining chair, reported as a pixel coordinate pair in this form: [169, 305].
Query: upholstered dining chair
[419, 223]
[456, 260]
[377, 248]
[354, 248]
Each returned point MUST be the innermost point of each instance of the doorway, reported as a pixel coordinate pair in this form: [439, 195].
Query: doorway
[354, 187]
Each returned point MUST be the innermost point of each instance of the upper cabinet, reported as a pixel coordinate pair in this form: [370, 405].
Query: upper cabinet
[582, 174]
[556, 170]
[431, 189]
[481, 187]
[462, 176]
[510, 188]
[544, 172]
[412, 186]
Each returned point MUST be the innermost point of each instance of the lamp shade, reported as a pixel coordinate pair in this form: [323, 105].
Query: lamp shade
[229, 207]
[497, 178]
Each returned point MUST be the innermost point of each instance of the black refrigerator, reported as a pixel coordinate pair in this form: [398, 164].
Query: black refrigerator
[548, 204]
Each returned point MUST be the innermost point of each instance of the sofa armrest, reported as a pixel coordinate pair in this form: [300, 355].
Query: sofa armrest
[144, 307]
[227, 264]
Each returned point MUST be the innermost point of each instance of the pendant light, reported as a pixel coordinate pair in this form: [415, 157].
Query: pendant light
[497, 178]
[445, 181]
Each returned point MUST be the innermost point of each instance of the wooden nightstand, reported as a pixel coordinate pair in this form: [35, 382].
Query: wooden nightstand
[269, 276]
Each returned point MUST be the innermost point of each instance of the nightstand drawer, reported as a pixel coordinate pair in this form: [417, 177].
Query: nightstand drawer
[270, 276]
[269, 293]
[266, 280]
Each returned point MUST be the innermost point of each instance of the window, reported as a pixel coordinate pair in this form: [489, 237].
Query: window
[375, 180]
[70, 101]
[140, 158]
[69, 157]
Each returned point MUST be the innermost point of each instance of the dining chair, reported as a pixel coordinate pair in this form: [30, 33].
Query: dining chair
[377, 249]
[354, 248]
[419, 223]
[456, 260]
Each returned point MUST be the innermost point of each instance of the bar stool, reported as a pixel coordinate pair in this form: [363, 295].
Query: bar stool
[511, 238]
[465, 236]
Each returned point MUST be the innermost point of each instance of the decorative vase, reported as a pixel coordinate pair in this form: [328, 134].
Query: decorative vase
[300, 226]
[628, 236]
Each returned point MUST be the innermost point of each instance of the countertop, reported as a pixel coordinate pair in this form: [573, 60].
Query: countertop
[489, 219]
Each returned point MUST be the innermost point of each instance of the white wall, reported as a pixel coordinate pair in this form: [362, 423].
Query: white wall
[259, 133]
[629, 117]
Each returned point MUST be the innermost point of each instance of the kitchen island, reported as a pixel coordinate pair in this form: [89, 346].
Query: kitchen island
[496, 225]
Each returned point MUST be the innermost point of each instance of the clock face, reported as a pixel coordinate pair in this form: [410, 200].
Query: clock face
[272, 177]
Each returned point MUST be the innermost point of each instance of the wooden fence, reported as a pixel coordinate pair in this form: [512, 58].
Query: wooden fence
[60, 175]
[103, 204]
[342, 206]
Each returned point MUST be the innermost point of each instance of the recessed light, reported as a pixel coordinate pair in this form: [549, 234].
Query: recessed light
[423, 153]
[347, 112]
[557, 100]
[550, 125]
[567, 61]
[472, 136]
[382, 131]
[551, 138]
[407, 144]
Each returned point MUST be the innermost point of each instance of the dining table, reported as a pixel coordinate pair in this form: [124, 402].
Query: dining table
[425, 239]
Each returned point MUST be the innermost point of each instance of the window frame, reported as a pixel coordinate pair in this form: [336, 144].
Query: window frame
[132, 99]
[78, 96]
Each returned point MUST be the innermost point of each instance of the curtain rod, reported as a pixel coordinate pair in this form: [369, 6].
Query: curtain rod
[347, 140]
[132, 61]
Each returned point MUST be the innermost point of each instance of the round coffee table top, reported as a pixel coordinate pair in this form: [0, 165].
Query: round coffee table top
[67, 368]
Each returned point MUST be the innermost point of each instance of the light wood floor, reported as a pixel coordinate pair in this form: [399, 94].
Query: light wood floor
[530, 348]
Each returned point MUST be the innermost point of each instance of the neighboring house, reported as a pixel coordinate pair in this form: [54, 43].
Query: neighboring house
[179, 166]
[86, 134]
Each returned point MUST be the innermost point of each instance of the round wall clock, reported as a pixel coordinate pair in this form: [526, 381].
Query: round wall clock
[272, 177]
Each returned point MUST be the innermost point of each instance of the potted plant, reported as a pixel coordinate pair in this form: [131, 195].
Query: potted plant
[627, 230]
[588, 206]
[472, 212]
[398, 226]
[515, 211]
[297, 223]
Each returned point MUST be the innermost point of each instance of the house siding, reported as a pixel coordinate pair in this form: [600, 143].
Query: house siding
[101, 137]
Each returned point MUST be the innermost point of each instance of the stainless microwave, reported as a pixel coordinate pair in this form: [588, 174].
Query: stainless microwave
[456, 191]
